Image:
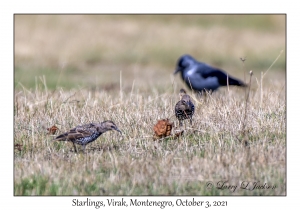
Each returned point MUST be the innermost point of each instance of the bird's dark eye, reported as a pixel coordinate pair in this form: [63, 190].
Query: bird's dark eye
[181, 63]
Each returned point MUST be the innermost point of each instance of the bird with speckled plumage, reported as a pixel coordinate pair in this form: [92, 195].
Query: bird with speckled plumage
[184, 109]
[85, 134]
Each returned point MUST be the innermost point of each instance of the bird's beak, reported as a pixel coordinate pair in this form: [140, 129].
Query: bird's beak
[176, 71]
[117, 129]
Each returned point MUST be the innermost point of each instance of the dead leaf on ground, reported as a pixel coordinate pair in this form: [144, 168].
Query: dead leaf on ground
[52, 130]
[163, 128]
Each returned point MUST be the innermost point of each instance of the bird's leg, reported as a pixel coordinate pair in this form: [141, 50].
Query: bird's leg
[83, 148]
[180, 123]
[75, 149]
[204, 94]
[191, 121]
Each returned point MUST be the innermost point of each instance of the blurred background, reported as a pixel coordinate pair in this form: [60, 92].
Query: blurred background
[95, 51]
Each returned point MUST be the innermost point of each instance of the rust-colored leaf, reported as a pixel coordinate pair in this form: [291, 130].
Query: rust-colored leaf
[163, 128]
[52, 130]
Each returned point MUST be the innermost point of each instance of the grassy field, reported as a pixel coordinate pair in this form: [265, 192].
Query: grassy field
[72, 70]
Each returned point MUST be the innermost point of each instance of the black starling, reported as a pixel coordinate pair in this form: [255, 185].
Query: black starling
[86, 134]
[201, 76]
[184, 109]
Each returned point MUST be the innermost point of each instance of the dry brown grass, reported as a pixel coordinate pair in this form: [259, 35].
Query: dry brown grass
[134, 164]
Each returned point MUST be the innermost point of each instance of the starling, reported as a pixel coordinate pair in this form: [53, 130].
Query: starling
[184, 109]
[86, 134]
[202, 77]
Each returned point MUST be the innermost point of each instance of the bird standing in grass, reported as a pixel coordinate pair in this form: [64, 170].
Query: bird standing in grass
[86, 134]
[184, 109]
[203, 77]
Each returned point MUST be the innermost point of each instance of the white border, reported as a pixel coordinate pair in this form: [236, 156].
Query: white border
[8, 8]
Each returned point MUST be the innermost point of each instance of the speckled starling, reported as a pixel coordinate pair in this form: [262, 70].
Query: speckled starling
[85, 134]
[184, 109]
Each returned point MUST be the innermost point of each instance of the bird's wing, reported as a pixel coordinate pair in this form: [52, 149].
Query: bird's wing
[209, 71]
[179, 105]
[191, 106]
[77, 132]
[223, 78]
[199, 77]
